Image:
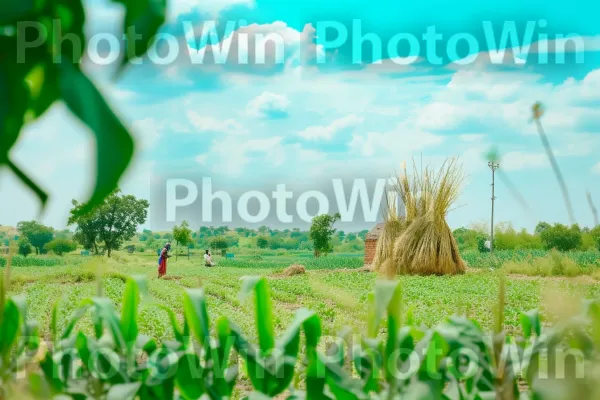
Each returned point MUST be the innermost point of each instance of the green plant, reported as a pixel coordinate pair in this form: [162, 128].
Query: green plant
[37, 234]
[24, 247]
[61, 246]
[219, 243]
[561, 237]
[182, 235]
[35, 74]
[320, 233]
[110, 223]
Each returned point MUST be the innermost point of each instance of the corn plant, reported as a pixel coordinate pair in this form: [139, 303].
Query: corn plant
[399, 360]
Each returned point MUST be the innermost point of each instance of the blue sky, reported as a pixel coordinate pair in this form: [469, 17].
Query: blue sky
[303, 123]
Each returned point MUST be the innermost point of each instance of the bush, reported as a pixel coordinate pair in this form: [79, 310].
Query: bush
[262, 242]
[61, 246]
[595, 233]
[561, 237]
[24, 247]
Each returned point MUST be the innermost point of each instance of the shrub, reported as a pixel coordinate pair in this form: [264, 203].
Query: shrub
[595, 233]
[561, 237]
[24, 247]
[61, 246]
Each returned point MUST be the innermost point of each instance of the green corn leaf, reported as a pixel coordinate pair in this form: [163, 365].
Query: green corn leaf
[13, 11]
[264, 311]
[129, 313]
[106, 313]
[196, 314]
[114, 143]
[15, 98]
[179, 335]
[42, 81]
[189, 377]
[142, 18]
[11, 323]
[394, 309]
[82, 344]
[75, 317]
[531, 323]
[54, 322]
[51, 372]
[125, 391]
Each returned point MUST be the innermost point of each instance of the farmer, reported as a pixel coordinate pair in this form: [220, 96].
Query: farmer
[208, 262]
[162, 260]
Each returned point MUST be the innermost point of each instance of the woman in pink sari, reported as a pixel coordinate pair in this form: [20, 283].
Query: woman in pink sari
[162, 260]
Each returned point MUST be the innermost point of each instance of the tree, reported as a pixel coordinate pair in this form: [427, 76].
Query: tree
[37, 234]
[561, 237]
[61, 246]
[363, 234]
[262, 242]
[109, 224]
[220, 244]
[321, 231]
[182, 235]
[595, 233]
[541, 226]
[24, 246]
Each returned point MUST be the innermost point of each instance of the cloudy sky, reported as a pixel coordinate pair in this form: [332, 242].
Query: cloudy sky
[312, 113]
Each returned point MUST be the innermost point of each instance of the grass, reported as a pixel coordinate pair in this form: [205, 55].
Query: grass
[339, 296]
[589, 259]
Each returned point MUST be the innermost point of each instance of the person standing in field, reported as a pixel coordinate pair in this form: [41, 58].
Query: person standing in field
[162, 260]
[208, 262]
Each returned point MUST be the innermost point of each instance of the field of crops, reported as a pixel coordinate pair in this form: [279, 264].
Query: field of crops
[339, 296]
[475, 259]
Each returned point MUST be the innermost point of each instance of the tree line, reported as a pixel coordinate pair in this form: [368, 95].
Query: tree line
[545, 236]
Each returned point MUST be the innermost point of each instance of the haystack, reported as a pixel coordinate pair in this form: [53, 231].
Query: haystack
[427, 246]
[392, 229]
[294, 269]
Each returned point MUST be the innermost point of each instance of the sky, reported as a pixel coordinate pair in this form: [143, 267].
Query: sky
[319, 110]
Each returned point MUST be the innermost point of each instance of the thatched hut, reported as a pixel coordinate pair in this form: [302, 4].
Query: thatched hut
[371, 243]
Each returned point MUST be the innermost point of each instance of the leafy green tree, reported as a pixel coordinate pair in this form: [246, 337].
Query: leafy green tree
[109, 224]
[595, 233]
[363, 234]
[561, 237]
[182, 235]
[541, 226]
[61, 246]
[320, 233]
[351, 237]
[220, 244]
[37, 234]
[24, 247]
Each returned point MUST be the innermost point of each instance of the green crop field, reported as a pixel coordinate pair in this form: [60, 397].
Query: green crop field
[333, 286]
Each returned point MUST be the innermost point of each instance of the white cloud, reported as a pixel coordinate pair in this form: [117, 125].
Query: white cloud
[147, 131]
[204, 124]
[233, 155]
[211, 7]
[400, 140]
[517, 160]
[268, 105]
[201, 159]
[327, 132]
[474, 137]
[596, 169]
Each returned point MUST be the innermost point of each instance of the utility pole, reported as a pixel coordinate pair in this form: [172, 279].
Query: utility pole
[493, 166]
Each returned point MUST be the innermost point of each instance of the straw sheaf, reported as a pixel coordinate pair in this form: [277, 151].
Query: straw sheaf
[423, 243]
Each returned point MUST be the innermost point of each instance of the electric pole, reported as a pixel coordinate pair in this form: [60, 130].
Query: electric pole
[493, 166]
